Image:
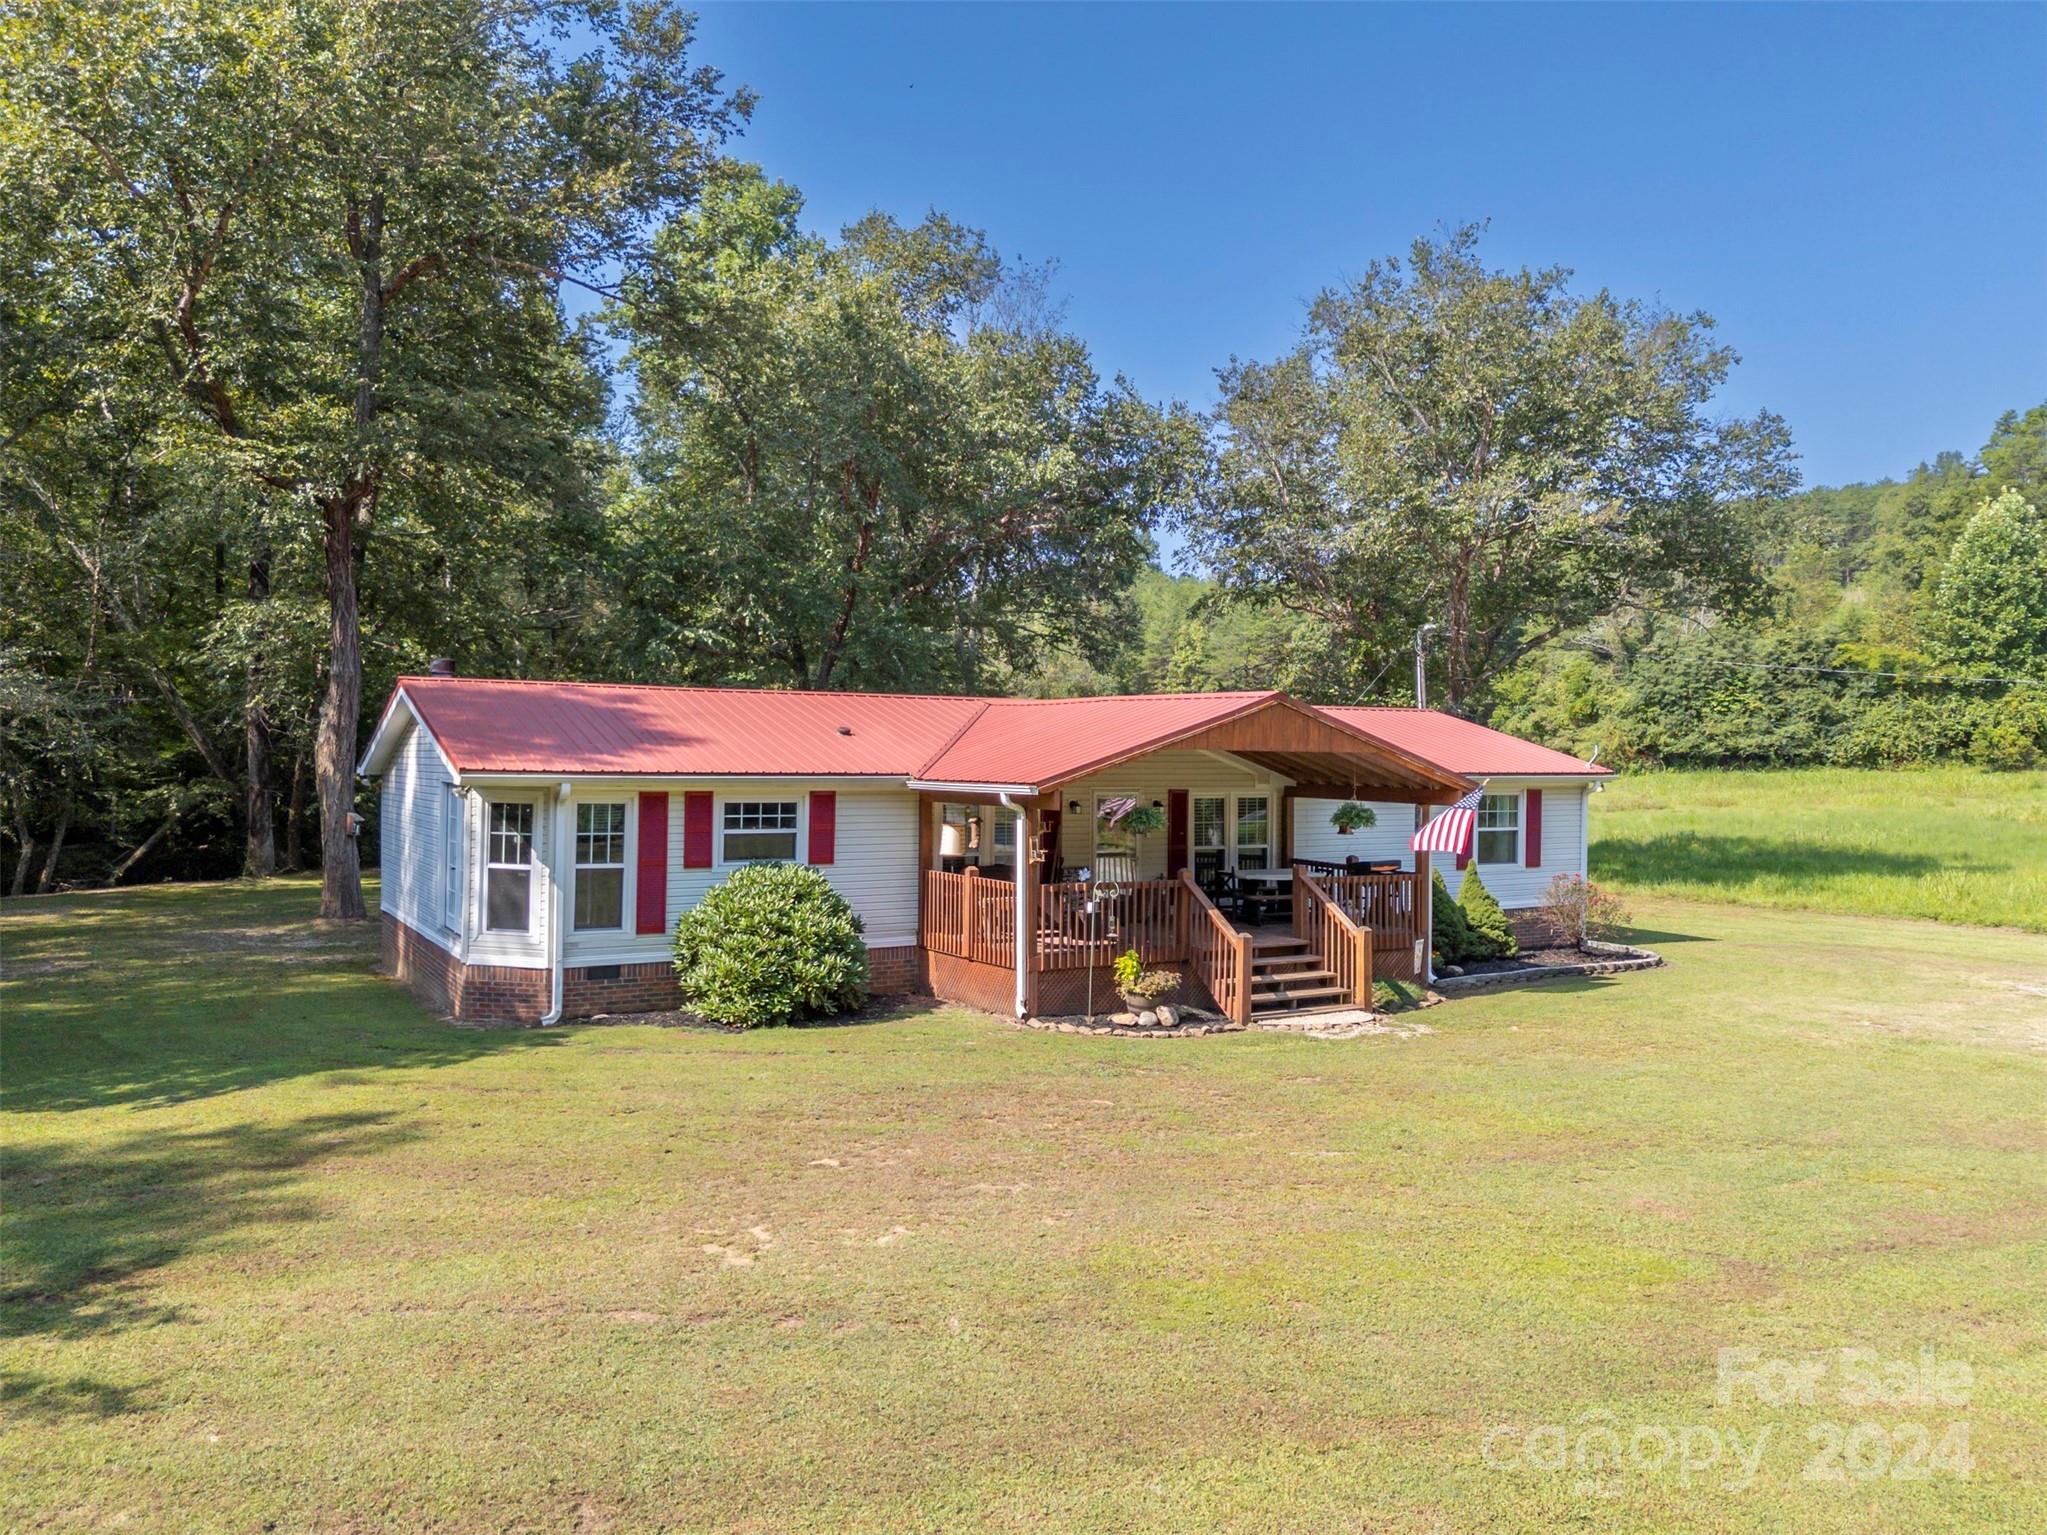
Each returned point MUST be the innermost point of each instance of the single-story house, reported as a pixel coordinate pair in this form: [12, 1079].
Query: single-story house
[540, 839]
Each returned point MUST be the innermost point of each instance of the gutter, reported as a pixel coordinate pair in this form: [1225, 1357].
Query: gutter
[554, 908]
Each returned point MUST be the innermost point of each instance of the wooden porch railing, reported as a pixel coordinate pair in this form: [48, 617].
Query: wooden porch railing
[1144, 915]
[1167, 921]
[1391, 906]
[1218, 954]
[969, 917]
[1345, 945]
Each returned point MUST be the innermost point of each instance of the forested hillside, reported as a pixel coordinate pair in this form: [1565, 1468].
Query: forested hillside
[1901, 621]
[292, 401]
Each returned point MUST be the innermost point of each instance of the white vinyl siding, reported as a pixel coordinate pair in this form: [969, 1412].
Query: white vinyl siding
[1205, 775]
[411, 841]
[1513, 884]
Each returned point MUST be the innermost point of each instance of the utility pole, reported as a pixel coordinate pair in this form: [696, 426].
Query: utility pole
[1421, 675]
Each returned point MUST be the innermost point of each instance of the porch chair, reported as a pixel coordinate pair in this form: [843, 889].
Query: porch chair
[1218, 883]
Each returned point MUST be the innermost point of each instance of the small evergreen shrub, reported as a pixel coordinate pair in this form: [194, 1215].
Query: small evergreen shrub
[1491, 937]
[773, 944]
[1450, 931]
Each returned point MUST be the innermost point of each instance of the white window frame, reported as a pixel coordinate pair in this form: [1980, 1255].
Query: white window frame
[1194, 842]
[532, 866]
[452, 870]
[1002, 825]
[719, 830]
[1237, 846]
[1480, 829]
[626, 808]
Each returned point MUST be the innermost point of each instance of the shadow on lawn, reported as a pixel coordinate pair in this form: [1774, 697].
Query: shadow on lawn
[1736, 861]
[154, 997]
[88, 1222]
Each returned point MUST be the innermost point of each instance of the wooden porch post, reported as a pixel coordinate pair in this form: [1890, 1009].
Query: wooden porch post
[968, 903]
[1427, 903]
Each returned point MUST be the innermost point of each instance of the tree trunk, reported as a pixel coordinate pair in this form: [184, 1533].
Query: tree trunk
[49, 880]
[334, 751]
[148, 844]
[26, 836]
[295, 817]
[259, 857]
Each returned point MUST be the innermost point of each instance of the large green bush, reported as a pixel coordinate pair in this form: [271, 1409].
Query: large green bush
[773, 944]
[1449, 931]
[1491, 937]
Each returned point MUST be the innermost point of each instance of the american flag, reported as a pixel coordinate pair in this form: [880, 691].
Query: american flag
[1450, 832]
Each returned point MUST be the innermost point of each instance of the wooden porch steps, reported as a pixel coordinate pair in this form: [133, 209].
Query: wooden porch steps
[1288, 977]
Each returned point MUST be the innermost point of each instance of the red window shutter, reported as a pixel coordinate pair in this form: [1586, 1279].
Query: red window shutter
[1531, 834]
[824, 825]
[651, 901]
[696, 829]
[1176, 832]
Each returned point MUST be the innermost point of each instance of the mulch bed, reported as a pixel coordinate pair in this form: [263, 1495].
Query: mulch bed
[1560, 954]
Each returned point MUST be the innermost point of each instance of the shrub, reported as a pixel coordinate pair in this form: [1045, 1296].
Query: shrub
[1491, 937]
[772, 944]
[2011, 733]
[1577, 910]
[1449, 931]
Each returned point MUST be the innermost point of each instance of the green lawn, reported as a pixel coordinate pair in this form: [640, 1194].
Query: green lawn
[1954, 844]
[285, 1253]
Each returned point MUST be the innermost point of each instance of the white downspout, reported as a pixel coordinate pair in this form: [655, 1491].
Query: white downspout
[1023, 925]
[554, 907]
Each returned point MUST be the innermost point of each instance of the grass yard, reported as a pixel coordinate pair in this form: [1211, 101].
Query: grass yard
[1954, 844]
[284, 1253]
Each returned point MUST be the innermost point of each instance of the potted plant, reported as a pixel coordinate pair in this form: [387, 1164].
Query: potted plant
[1140, 988]
[1350, 816]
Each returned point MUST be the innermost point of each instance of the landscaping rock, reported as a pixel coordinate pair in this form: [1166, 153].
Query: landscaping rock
[1167, 1018]
[1147, 1019]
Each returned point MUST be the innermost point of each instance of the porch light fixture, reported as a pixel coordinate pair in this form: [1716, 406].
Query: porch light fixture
[1073, 807]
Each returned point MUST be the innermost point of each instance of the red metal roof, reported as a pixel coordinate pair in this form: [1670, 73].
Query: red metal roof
[1049, 740]
[489, 725]
[1462, 746]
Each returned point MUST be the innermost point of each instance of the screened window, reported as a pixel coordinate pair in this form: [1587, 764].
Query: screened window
[1254, 831]
[508, 876]
[760, 831]
[600, 867]
[1499, 828]
[451, 860]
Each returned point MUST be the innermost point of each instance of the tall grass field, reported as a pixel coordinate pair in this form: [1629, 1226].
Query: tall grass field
[1952, 844]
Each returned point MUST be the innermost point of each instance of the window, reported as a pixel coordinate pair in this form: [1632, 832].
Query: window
[1499, 828]
[1254, 831]
[759, 831]
[1211, 822]
[451, 860]
[1005, 837]
[508, 877]
[600, 867]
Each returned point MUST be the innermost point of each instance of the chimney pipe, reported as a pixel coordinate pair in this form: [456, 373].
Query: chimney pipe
[441, 666]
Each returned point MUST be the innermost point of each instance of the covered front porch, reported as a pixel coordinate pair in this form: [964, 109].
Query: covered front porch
[1028, 895]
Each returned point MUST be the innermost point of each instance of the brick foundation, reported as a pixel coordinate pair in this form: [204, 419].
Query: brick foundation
[505, 994]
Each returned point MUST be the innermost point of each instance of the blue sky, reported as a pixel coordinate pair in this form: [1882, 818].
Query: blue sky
[1857, 194]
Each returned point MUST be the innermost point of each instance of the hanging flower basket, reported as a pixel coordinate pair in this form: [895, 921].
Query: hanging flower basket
[1350, 816]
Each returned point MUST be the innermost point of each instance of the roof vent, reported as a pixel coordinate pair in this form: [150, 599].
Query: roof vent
[441, 666]
[845, 730]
